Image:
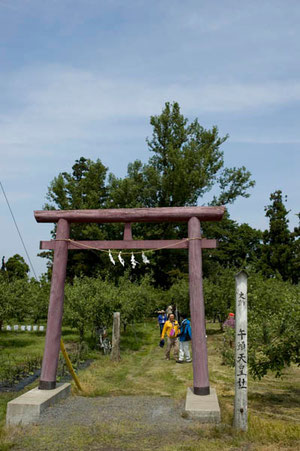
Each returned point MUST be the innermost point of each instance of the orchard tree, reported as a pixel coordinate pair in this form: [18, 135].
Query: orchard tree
[274, 325]
[6, 306]
[135, 301]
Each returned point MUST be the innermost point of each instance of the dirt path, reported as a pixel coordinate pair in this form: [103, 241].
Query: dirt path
[109, 423]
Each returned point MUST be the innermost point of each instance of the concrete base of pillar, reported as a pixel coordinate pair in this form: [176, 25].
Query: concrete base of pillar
[206, 408]
[27, 408]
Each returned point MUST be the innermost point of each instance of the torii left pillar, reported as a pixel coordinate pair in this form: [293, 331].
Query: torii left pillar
[55, 312]
[200, 364]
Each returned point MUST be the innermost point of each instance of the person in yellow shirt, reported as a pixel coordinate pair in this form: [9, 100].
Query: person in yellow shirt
[171, 328]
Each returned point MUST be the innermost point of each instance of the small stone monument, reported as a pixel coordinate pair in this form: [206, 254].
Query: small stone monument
[115, 351]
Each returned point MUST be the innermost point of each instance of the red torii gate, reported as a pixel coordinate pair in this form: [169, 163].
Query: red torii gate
[194, 243]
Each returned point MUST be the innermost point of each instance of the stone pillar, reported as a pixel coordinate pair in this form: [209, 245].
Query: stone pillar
[241, 373]
[200, 366]
[115, 350]
[55, 311]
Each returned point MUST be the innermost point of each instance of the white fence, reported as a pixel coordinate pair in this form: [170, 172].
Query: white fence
[22, 328]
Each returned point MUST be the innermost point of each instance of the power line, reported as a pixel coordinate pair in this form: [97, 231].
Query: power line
[15, 222]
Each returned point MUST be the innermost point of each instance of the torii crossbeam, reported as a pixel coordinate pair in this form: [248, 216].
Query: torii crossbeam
[194, 243]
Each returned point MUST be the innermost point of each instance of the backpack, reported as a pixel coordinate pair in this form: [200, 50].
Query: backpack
[184, 332]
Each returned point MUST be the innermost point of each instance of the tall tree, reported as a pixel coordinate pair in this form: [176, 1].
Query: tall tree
[16, 268]
[186, 163]
[83, 188]
[279, 254]
[239, 246]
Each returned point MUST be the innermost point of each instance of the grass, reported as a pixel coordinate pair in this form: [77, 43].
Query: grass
[274, 404]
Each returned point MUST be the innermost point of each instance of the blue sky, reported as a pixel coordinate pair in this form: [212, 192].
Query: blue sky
[82, 77]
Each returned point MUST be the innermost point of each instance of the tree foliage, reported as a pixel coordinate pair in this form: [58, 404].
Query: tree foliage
[23, 299]
[274, 324]
[280, 250]
[90, 302]
[15, 267]
[186, 162]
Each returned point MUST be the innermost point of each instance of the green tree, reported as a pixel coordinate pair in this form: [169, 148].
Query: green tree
[273, 325]
[79, 297]
[38, 298]
[16, 267]
[187, 162]
[280, 246]
[84, 188]
[135, 301]
[239, 246]
[6, 305]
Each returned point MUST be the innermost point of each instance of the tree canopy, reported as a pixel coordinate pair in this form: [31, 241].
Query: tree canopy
[186, 162]
[280, 251]
[15, 267]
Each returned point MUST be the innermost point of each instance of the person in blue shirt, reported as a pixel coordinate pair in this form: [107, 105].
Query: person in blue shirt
[162, 318]
[185, 337]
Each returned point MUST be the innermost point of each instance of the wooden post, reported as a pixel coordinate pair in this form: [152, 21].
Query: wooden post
[55, 311]
[241, 379]
[200, 366]
[115, 351]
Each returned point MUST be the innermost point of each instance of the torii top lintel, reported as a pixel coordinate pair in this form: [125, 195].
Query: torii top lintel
[164, 214]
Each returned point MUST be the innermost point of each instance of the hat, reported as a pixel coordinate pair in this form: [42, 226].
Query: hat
[231, 314]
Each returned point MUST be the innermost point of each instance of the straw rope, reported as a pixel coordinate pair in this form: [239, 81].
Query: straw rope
[85, 246]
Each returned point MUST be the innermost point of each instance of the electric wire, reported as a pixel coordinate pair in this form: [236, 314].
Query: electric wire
[15, 222]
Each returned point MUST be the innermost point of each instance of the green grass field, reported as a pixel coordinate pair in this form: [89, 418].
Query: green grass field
[274, 404]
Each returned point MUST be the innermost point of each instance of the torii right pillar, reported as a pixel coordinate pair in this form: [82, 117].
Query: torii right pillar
[200, 365]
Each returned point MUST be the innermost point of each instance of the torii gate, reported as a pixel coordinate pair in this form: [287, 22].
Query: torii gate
[194, 243]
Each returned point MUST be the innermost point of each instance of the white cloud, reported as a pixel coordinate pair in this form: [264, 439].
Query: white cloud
[59, 103]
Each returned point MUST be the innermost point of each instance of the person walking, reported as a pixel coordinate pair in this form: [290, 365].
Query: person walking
[185, 337]
[162, 318]
[171, 328]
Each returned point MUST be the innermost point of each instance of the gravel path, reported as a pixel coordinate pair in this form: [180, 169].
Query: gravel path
[160, 412]
[109, 424]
